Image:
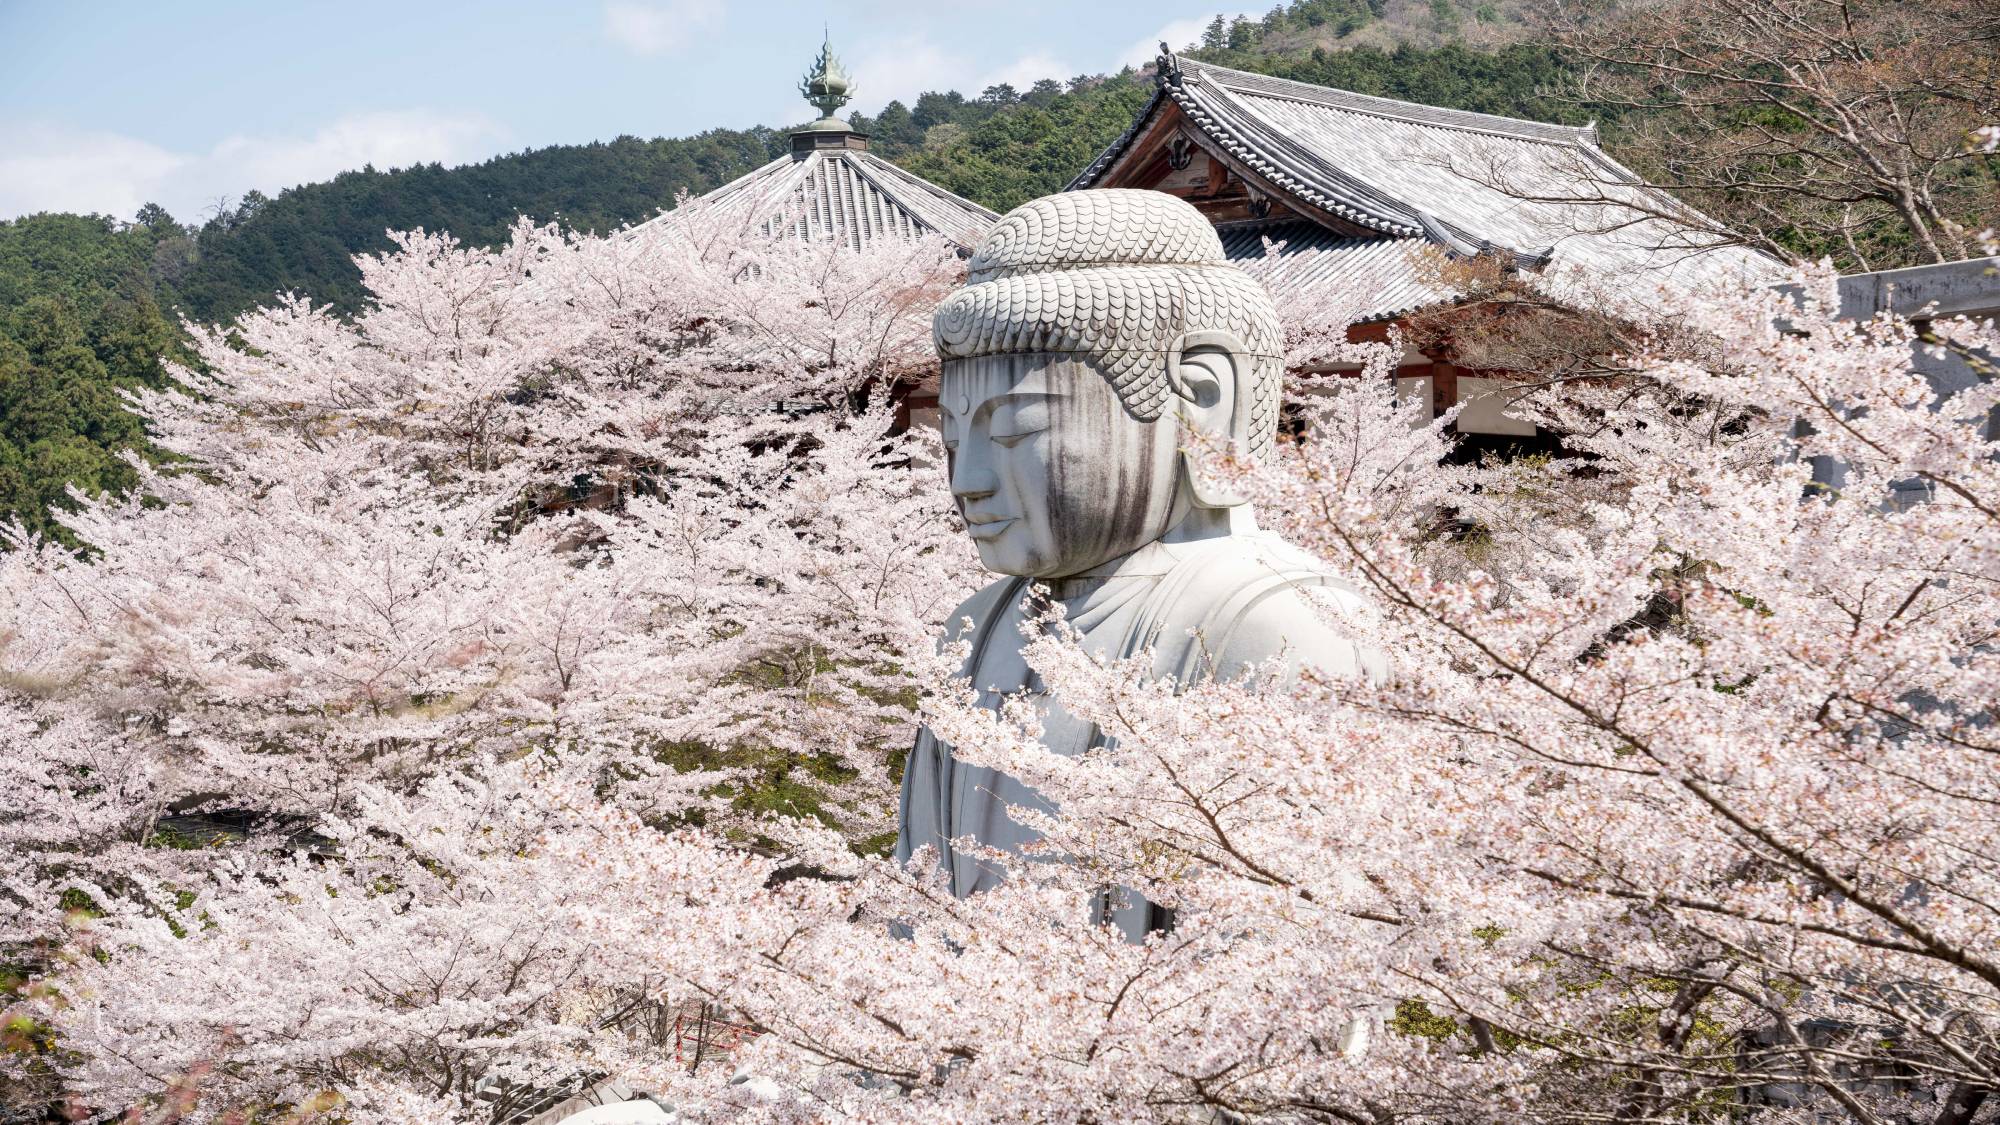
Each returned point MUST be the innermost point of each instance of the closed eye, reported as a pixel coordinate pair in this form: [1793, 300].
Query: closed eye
[1020, 417]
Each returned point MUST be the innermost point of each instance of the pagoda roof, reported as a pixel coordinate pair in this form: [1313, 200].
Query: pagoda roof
[832, 189]
[1369, 168]
[850, 195]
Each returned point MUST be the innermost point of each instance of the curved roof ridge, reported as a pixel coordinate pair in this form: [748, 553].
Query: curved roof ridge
[1292, 166]
[887, 177]
[897, 171]
[1117, 148]
[1412, 112]
[850, 195]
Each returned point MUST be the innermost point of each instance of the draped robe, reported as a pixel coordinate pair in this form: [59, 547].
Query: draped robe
[1214, 606]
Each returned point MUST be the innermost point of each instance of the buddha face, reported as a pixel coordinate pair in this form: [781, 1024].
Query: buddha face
[1052, 474]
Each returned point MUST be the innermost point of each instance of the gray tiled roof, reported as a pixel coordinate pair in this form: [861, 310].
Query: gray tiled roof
[1469, 182]
[852, 196]
[1306, 257]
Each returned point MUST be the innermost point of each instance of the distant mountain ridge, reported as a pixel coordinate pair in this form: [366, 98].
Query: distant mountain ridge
[306, 238]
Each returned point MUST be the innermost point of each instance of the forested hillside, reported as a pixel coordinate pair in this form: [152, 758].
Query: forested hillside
[79, 320]
[306, 238]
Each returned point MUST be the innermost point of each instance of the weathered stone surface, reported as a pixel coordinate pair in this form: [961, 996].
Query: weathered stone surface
[1120, 277]
[1095, 327]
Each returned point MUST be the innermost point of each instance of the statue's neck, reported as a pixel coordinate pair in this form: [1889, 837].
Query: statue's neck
[1193, 525]
[1210, 523]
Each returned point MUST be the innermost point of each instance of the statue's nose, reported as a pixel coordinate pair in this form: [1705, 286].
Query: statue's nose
[972, 478]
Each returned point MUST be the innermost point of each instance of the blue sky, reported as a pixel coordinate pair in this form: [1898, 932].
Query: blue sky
[106, 104]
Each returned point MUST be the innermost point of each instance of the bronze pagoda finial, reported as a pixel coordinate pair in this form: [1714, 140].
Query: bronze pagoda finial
[826, 86]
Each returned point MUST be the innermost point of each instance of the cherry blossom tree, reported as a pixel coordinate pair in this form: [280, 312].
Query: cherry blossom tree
[536, 503]
[1675, 802]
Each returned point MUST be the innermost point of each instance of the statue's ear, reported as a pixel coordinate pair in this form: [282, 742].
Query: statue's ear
[1210, 376]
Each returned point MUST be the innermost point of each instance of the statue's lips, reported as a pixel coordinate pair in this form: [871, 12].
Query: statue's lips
[987, 526]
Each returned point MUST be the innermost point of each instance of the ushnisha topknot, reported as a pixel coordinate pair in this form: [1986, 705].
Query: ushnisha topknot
[1111, 226]
[1115, 276]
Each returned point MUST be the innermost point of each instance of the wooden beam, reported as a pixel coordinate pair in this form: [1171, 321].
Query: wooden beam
[1149, 144]
[1444, 387]
[1218, 174]
[1144, 164]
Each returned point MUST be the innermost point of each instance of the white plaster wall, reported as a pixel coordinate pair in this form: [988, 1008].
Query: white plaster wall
[1486, 409]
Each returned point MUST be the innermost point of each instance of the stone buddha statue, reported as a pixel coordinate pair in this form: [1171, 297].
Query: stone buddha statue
[1098, 333]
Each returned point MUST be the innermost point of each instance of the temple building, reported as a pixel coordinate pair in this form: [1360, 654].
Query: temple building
[1320, 192]
[831, 187]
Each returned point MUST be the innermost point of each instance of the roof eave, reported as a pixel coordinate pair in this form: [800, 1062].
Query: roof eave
[1293, 169]
[1256, 151]
[1393, 109]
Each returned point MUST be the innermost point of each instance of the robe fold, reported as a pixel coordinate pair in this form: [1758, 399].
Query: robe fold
[1210, 607]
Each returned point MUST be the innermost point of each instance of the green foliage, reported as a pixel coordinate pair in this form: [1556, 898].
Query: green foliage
[1343, 16]
[1005, 152]
[770, 780]
[75, 900]
[79, 322]
[305, 240]
[1414, 1018]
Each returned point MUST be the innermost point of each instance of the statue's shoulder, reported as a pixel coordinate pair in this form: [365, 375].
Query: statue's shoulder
[1250, 598]
[979, 608]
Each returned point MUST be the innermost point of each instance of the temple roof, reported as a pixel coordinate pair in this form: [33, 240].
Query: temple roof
[832, 188]
[1374, 169]
[850, 195]
[1295, 257]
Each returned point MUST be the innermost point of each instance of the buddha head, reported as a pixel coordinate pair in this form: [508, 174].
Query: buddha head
[1098, 332]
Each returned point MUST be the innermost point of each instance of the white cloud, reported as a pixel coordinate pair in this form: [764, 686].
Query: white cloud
[392, 139]
[43, 168]
[46, 167]
[1026, 70]
[1177, 34]
[660, 27]
[899, 69]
